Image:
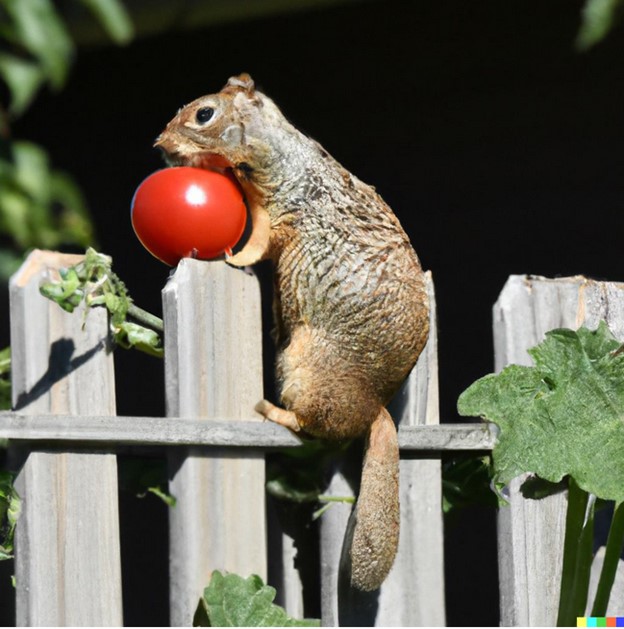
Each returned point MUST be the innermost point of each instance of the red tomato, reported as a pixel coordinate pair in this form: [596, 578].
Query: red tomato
[188, 212]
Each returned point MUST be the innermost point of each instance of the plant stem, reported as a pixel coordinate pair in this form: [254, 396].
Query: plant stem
[615, 542]
[577, 556]
[146, 318]
[328, 500]
[584, 561]
[346, 499]
[575, 514]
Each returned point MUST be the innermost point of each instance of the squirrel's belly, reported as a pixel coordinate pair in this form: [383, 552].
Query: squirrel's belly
[353, 328]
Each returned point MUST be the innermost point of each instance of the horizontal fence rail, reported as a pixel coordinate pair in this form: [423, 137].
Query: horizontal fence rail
[178, 431]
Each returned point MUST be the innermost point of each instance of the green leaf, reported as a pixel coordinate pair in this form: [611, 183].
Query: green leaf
[231, 601]
[39, 207]
[129, 335]
[165, 496]
[466, 480]
[37, 27]
[64, 291]
[32, 170]
[564, 416]
[143, 475]
[113, 16]
[10, 262]
[14, 215]
[597, 19]
[299, 475]
[5, 379]
[94, 281]
[74, 225]
[10, 508]
[23, 78]
[5, 399]
[294, 486]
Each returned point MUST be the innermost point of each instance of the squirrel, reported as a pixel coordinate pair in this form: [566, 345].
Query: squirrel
[350, 305]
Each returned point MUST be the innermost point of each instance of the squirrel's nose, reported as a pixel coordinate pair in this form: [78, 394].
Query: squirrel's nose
[164, 142]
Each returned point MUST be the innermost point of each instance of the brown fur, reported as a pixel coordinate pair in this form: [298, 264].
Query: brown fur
[350, 303]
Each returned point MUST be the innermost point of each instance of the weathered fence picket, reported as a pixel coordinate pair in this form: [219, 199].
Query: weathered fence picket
[66, 432]
[531, 532]
[67, 565]
[213, 368]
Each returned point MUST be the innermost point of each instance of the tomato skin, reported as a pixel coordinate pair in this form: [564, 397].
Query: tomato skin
[182, 212]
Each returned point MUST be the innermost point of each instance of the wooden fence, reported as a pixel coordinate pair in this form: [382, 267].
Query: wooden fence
[65, 433]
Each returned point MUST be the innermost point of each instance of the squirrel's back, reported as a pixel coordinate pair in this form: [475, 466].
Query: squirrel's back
[350, 274]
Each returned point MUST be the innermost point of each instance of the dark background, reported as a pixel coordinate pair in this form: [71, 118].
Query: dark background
[498, 146]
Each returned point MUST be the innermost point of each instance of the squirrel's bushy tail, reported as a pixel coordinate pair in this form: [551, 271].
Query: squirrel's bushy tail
[376, 516]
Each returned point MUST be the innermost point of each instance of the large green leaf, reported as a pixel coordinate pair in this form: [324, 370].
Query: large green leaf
[231, 601]
[564, 416]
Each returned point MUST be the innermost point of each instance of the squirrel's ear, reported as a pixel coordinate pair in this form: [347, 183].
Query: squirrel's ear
[242, 82]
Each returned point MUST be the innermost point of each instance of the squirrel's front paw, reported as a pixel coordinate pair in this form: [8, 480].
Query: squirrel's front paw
[278, 415]
[245, 257]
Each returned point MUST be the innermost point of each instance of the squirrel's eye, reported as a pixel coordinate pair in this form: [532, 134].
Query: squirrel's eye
[204, 114]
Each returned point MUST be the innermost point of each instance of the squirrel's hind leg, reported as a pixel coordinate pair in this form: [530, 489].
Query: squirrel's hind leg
[278, 415]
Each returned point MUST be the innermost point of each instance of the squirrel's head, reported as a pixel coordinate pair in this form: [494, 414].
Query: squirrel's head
[222, 130]
[241, 130]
